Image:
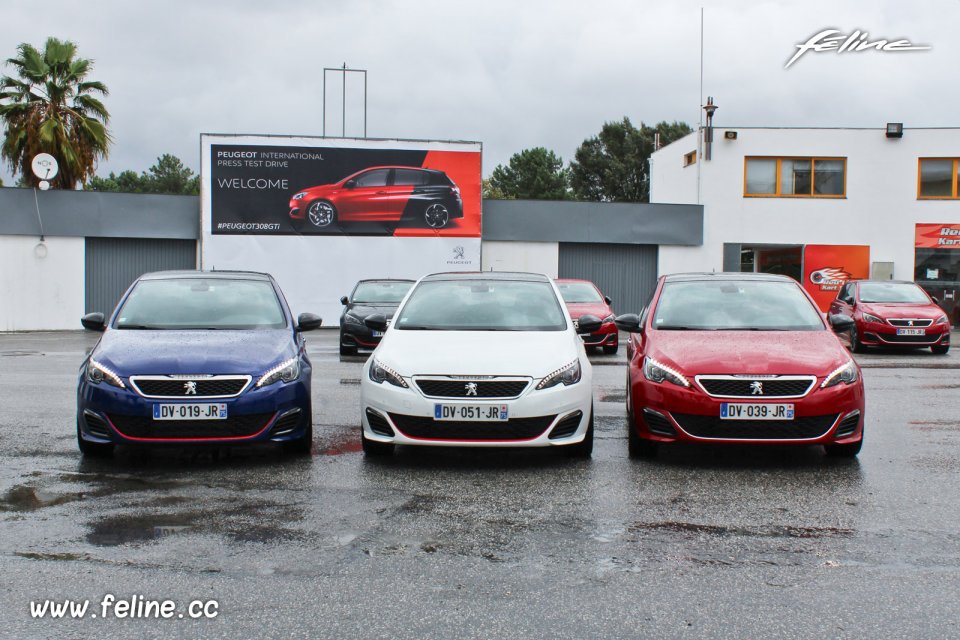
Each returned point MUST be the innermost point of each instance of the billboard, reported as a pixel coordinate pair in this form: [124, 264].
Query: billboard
[938, 236]
[321, 213]
[826, 267]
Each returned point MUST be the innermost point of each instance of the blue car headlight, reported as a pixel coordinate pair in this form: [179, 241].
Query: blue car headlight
[286, 371]
[382, 373]
[97, 373]
[566, 375]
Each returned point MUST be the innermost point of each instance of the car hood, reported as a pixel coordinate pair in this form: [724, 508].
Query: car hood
[502, 353]
[902, 310]
[598, 309]
[131, 352]
[749, 352]
[362, 310]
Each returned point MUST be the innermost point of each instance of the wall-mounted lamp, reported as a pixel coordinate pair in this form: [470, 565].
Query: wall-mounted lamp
[894, 129]
[729, 135]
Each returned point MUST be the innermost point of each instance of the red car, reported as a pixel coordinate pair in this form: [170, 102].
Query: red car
[584, 298]
[739, 358]
[380, 194]
[889, 313]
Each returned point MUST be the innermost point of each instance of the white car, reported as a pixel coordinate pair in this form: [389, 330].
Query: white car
[487, 359]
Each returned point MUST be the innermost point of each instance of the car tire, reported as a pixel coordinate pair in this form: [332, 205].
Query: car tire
[584, 448]
[611, 349]
[436, 215]
[843, 450]
[321, 214]
[346, 350]
[855, 345]
[940, 349]
[373, 448]
[93, 449]
[303, 445]
[637, 447]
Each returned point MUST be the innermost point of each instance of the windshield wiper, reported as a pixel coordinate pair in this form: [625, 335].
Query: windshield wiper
[678, 327]
[141, 326]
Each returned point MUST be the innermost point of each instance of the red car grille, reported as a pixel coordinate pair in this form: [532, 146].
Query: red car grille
[513, 429]
[744, 387]
[232, 427]
[805, 428]
[904, 322]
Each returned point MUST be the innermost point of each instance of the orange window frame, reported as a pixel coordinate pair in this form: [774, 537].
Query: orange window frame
[953, 180]
[813, 172]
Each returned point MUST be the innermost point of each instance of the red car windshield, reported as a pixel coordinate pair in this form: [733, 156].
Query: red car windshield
[579, 292]
[892, 292]
[735, 305]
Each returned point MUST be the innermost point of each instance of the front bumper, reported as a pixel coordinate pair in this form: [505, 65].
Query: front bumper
[607, 336]
[884, 335]
[358, 336]
[556, 416]
[664, 412]
[277, 413]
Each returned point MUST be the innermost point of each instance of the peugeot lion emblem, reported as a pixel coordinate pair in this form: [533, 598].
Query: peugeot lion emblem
[470, 388]
[909, 323]
[756, 388]
[190, 388]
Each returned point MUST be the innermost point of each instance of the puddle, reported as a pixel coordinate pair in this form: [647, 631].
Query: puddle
[111, 532]
[51, 556]
[757, 532]
[345, 440]
[24, 498]
[610, 395]
[18, 354]
[350, 381]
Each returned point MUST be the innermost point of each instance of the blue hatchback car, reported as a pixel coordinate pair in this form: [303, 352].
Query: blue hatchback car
[197, 357]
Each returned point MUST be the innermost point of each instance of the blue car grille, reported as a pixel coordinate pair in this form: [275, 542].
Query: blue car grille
[232, 427]
[179, 387]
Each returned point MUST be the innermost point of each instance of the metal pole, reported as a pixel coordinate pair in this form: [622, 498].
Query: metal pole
[324, 103]
[343, 118]
[364, 103]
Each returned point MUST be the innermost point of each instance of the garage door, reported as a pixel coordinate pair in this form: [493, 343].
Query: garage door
[112, 264]
[625, 272]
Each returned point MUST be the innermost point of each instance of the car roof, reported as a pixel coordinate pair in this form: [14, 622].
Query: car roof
[487, 275]
[400, 166]
[728, 276]
[207, 275]
[574, 280]
[385, 280]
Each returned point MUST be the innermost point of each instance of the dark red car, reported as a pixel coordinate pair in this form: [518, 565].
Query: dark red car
[380, 194]
[739, 358]
[582, 297]
[891, 313]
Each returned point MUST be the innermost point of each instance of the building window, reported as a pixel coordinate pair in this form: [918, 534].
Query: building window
[937, 178]
[689, 158]
[795, 177]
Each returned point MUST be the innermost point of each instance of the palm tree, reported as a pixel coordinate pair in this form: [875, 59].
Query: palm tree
[51, 109]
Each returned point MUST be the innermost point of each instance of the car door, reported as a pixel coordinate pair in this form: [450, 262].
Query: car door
[365, 197]
[405, 182]
[845, 301]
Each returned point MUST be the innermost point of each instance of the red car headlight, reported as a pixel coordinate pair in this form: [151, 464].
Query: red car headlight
[869, 317]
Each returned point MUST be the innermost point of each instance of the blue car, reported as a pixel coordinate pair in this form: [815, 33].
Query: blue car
[197, 357]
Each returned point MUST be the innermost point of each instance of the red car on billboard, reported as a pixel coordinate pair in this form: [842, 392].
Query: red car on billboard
[890, 313]
[741, 359]
[380, 194]
[582, 297]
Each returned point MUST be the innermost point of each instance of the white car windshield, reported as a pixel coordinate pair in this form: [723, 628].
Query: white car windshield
[742, 305]
[482, 305]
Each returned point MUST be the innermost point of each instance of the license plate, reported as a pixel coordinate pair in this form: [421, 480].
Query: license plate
[377, 334]
[471, 412]
[755, 411]
[911, 332]
[195, 411]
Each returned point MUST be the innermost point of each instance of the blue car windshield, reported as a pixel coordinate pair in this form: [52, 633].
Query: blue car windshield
[735, 305]
[481, 305]
[197, 303]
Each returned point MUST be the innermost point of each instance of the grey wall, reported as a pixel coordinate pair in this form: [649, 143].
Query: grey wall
[594, 222]
[626, 273]
[101, 215]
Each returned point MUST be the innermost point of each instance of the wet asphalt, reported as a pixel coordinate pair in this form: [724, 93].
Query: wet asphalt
[699, 542]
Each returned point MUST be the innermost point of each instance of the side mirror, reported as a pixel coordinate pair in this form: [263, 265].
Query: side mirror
[377, 322]
[344, 300]
[350, 184]
[935, 299]
[308, 322]
[840, 322]
[94, 321]
[588, 324]
[629, 322]
[607, 300]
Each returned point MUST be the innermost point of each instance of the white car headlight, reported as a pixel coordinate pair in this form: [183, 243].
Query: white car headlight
[97, 373]
[846, 374]
[566, 375]
[869, 317]
[299, 196]
[382, 373]
[658, 372]
[286, 371]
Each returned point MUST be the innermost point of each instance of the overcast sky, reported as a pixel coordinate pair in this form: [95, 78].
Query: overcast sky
[510, 74]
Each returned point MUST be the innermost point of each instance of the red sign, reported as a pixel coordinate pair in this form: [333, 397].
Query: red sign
[826, 267]
[938, 236]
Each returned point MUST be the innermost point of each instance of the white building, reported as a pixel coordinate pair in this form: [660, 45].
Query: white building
[769, 193]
